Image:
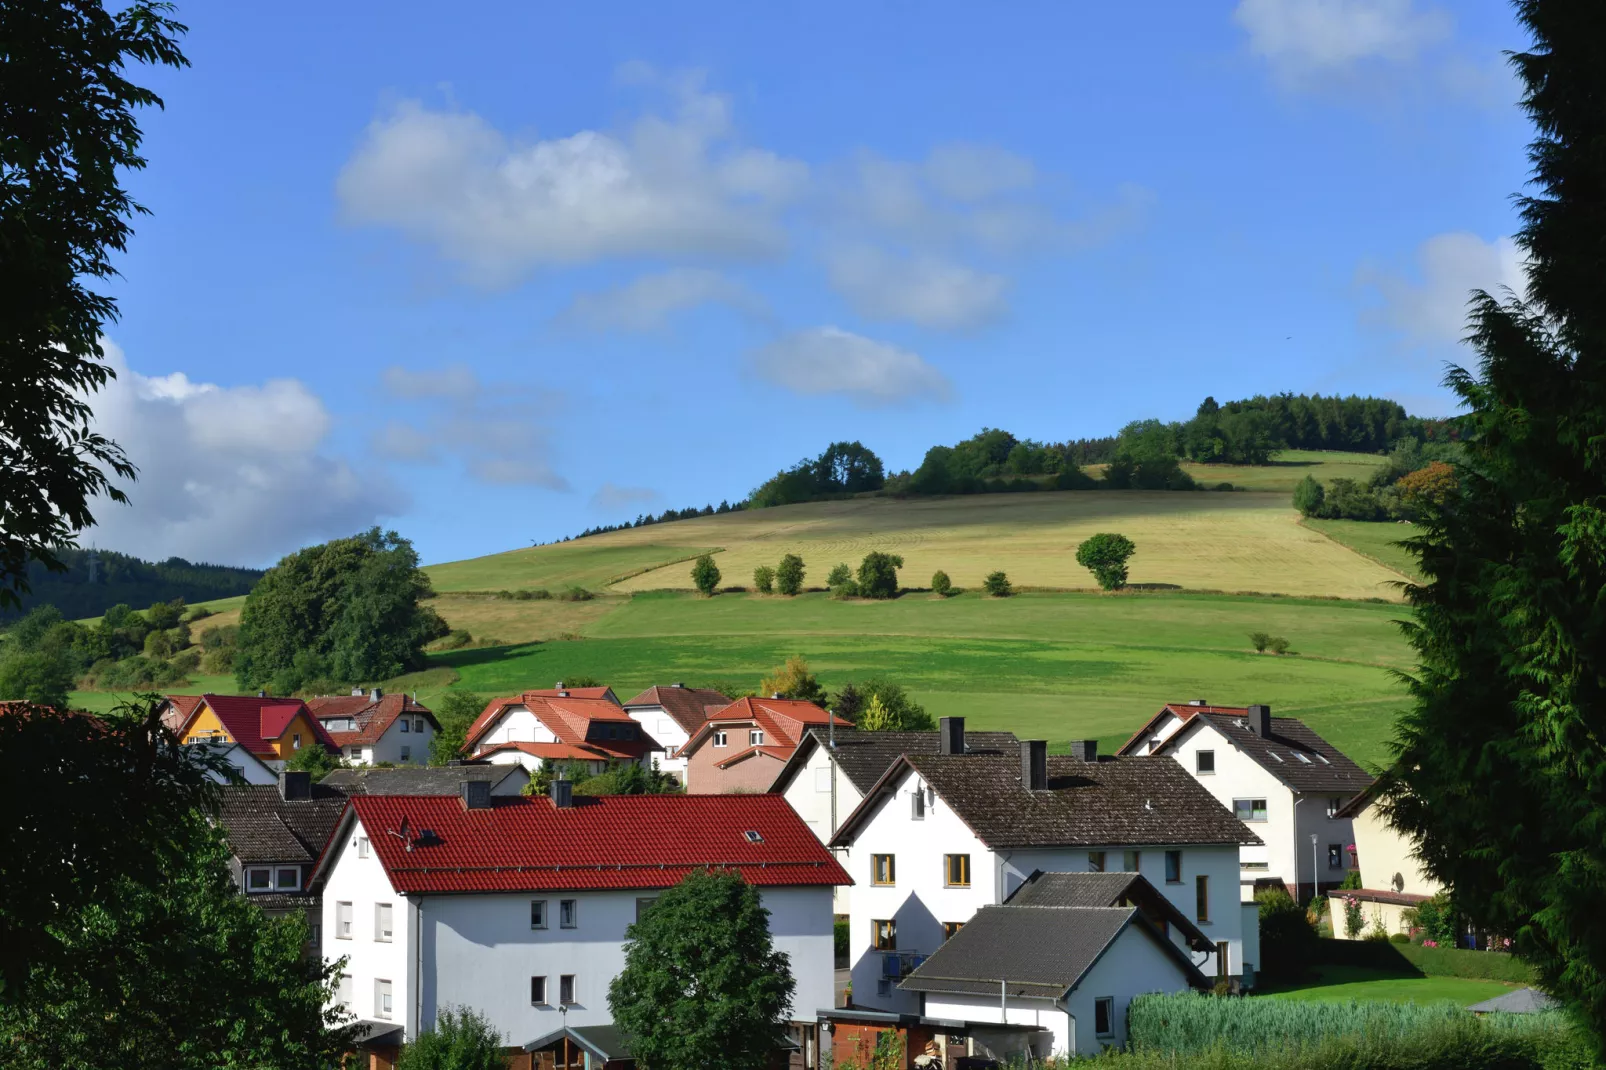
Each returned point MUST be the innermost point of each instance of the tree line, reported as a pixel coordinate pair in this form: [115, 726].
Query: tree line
[93, 581]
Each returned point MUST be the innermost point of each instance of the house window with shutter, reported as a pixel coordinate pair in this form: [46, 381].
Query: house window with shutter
[342, 921]
[719, 739]
[1130, 861]
[917, 805]
[755, 737]
[568, 913]
[406, 725]
[1201, 897]
[1173, 867]
[1249, 809]
[1335, 856]
[538, 913]
[382, 918]
[382, 1008]
[1095, 861]
[949, 928]
[1104, 1016]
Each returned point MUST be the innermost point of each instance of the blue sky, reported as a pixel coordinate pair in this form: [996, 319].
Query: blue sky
[497, 274]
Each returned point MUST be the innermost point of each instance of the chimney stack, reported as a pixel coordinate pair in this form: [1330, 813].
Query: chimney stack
[562, 794]
[1086, 750]
[376, 694]
[1034, 764]
[559, 687]
[356, 692]
[295, 785]
[1260, 721]
[262, 694]
[677, 685]
[476, 794]
[950, 735]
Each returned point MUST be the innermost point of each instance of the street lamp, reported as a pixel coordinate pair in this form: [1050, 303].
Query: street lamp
[1315, 873]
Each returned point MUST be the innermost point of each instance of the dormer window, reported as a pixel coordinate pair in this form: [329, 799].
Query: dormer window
[754, 836]
[719, 739]
[755, 737]
[261, 879]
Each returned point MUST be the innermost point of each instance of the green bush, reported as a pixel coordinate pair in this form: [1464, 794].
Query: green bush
[575, 594]
[764, 579]
[878, 574]
[940, 583]
[455, 640]
[1287, 938]
[1308, 495]
[705, 575]
[1259, 640]
[461, 1039]
[789, 575]
[1105, 555]
[1277, 645]
[219, 662]
[997, 584]
[532, 594]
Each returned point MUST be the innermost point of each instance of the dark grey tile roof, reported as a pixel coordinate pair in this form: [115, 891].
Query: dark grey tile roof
[1111, 802]
[1073, 889]
[283, 901]
[262, 827]
[1033, 951]
[686, 706]
[419, 780]
[864, 756]
[1293, 754]
[607, 1042]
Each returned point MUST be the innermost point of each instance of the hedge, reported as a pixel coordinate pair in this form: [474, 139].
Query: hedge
[1427, 961]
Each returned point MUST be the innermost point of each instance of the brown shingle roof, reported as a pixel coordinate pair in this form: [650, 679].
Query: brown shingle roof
[864, 756]
[686, 706]
[263, 827]
[1293, 754]
[373, 716]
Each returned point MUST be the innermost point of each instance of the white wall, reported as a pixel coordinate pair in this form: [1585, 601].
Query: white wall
[1163, 730]
[516, 725]
[479, 951]
[656, 723]
[809, 794]
[363, 883]
[1041, 1013]
[388, 748]
[250, 767]
[1135, 965]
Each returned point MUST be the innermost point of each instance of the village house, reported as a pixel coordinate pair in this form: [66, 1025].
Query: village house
[939, 836]
[672, 715]
[276, 833]
[1392, 878]
[429, 780]
[1279, 777]
[1053, 969]
[518, 907]
[269, 729]
[537, 728]
[371, 727]
[743, 746]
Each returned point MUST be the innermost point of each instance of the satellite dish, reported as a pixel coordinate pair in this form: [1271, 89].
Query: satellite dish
[1398, 882]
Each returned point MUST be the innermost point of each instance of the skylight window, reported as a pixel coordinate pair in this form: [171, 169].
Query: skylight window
[1323, 759]
[1301, 757]
[754, 836]
[1274, 754]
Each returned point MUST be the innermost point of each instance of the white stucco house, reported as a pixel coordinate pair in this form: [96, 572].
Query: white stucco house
[1053, 970]
[672, 715]
[832, 770]
[371, 727]
[518, 906]
[941, 836]
[1280, 778]
[537, 728]
[1392, 878]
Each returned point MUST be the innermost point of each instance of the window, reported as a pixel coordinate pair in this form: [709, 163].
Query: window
[568, 913]
[259, 879]
[719, 739]
[566, 989]
[885, 935]
[1301, 757]
[755, 737]
[406, 725]
[1221, 960]
[382, 915]
[1204, 762]
[1130, 861]
[315, 933]
[287, 878]
[343, 990]
[1173, 867]
[644, 904]
[362, 846]
[1104, 1016]
[1095, 861]
[538, 913]
[538, 991]
[1335, 856]
[883, 869]
[407, 754]
[822, 779]
[295, 741]
[342, 921]
[753, 836]
[418, 724]
[1334, 806]
[1249, 809]
[381, 999]
[958, 867]
[949, 928]
[917, 805]
[1201, 897]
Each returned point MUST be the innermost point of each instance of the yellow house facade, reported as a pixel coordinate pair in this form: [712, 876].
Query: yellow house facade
[271, 729]
[1392, 878]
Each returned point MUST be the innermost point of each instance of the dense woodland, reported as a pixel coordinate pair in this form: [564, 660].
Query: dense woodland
[96, 580]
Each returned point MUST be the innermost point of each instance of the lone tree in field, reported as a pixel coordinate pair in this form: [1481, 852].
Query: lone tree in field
[878, 575]
[1105, 555]
[1308, 496]
[703, 985]
[705, 574]
[940, 583]
[764, 579]
[997, 584]
[1500, 768]
[789, 575]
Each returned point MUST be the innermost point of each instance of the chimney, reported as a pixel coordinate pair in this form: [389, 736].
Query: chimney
[559, 686]
[1086, 750]
[1197, 702]
[356, 692]
[775, 694]
[294, 785]
[1260, 721]
[476, 794]
[562, 794]
[376, 694]
[677, 685]
[951, 735]
[1034, 764]
[262, 694]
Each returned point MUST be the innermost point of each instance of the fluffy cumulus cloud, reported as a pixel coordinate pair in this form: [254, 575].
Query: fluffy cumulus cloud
[649, 302]
[1431, 306]
[235, 475]
[495, 431]
[668, 186]
[1303, 39]
[927, 290]
[830, 361]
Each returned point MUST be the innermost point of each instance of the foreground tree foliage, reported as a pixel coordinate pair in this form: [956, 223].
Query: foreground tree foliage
[67, 130]
[703, 984]
[460, 1039]
[1501, 767]
[348, 611]
[456, 712]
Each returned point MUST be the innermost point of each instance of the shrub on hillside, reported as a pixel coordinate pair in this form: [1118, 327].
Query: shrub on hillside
[997, 584]
[456, 640]
[1105, 555]
[878, 575]
[575, 594]
[705, 575]
[1308, 496]
[793, 680]
[1259, 640]
[764, 579]
[789, 575]
[1277, 645]
[940, 583]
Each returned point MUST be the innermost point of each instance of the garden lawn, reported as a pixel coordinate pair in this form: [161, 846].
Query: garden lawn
[1357, 982]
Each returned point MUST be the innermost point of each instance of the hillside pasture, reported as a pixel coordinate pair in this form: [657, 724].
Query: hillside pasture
[1287, 468]
[1378, 540]
[594, 562]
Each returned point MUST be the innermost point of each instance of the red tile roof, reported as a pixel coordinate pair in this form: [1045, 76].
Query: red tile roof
[246, 717]
[179, 709]
[373, 716]
[688, 707]
[619, 841]
[604, 693]
[558, 751]
[783, 720]
[569, 719]
[780, 754]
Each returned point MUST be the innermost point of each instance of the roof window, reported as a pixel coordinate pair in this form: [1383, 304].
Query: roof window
[753, 836]
[1301, 757]
[1274, 754]
[1323, 759]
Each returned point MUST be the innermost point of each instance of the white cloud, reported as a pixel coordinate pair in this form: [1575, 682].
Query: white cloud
[828, 360]
[666, 187]
[611, 498]
[1306, 39]
[925, 290]
[495, 430]
[227, 474]
[1432, 307]
[974, 172]
[647, 303]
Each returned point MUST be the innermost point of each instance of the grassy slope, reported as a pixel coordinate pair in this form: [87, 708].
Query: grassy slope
[1356, 982]
[1378, 541]
[594, 562]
